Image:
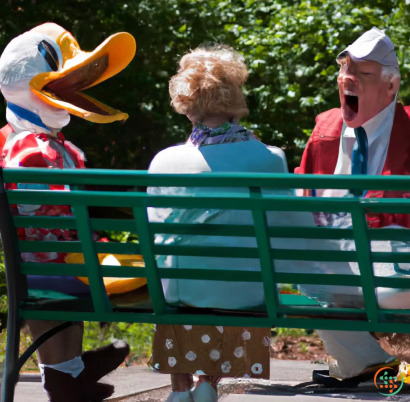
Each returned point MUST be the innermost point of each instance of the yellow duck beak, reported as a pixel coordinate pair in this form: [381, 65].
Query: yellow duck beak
[82, 70]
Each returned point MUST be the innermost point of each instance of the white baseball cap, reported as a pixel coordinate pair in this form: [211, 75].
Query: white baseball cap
[373, 45]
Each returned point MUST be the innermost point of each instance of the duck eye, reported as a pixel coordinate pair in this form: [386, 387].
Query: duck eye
[49, 53]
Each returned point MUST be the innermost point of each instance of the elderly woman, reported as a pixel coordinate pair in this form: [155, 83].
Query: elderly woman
[208, 90]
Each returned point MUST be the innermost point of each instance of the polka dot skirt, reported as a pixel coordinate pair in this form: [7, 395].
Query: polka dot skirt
[214, 351]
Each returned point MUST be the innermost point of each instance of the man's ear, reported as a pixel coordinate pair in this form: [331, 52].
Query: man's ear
[394, 86]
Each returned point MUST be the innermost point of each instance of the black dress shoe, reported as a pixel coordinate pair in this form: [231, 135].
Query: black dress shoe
[322, 377]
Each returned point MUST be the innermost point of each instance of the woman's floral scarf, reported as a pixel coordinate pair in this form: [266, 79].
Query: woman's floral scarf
[202, 136]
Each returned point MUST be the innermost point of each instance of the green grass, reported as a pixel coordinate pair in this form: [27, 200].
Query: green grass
[138, 336]
[294, 332]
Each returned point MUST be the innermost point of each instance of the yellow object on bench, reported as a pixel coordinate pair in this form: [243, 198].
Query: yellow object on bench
[114, 285]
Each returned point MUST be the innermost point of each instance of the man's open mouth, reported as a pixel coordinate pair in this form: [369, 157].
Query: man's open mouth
[351, 104]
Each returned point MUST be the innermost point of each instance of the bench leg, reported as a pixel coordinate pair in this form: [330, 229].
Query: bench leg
[11, 366]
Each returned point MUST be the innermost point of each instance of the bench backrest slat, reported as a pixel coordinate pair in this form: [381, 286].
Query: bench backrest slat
[146, 239]
[265, 256]
[363, 250]
[93, 268]
[268, 248]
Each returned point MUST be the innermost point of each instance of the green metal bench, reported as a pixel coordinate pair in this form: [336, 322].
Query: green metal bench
[285, 311]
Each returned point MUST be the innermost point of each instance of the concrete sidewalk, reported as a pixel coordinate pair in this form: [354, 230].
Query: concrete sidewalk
[135, 380]
[290, 392]
[301, 398]
[136, 384]
[127, 381]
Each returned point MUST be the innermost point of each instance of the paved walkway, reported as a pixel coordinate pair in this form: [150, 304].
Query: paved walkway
[138, 384]
[287, 392]
[127, 381]
[296, 398]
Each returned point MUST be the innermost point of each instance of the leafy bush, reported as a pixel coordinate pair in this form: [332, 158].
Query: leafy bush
[138, 336]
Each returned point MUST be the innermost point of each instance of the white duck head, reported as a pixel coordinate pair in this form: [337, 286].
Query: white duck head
[42, 74]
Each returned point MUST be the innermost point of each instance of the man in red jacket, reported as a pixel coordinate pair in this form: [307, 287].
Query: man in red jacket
[369, 134]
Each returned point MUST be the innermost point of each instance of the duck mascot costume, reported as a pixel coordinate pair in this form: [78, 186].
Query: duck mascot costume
[42, 74]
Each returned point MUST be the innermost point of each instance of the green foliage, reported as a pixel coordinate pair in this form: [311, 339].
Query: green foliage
[138, 336]
[294, 332]
[290, 48]
[120, 237]
[303, 347]
[25, 342]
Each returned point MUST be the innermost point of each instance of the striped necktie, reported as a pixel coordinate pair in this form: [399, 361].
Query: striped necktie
[360, 155]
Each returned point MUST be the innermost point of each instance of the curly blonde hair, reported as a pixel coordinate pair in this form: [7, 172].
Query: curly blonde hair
[209, 80]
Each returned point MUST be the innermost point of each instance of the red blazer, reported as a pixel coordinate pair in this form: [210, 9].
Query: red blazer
[322, 150]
